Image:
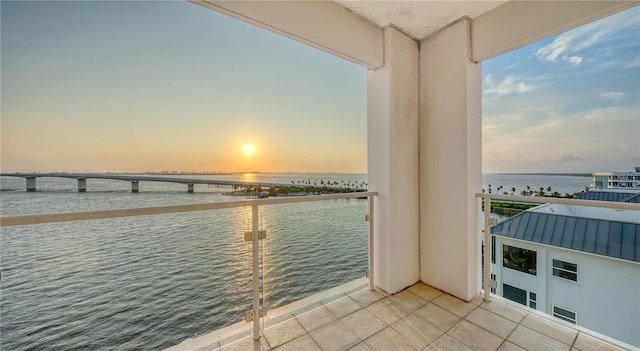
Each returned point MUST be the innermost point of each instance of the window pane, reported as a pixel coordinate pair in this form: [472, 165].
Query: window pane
[519, 259]
[566, 275]
[563, 314]
[532, 296]
[532, 304]
[514, 294]
[565, 265]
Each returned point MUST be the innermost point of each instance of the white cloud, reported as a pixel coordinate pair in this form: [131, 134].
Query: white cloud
[509, 85]
[615, 96]
[575, 60]
[587, 36]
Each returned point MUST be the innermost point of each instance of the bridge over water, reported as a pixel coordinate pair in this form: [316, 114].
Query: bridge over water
[134, 179]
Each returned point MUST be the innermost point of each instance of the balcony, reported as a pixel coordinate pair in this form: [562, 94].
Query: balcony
[357, 316]
[421, 317]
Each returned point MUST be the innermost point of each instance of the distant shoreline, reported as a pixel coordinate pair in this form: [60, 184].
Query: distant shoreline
[550, 174]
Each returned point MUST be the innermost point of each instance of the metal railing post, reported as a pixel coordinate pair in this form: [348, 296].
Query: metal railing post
[370, 220]
[487, 249]
[256, 272]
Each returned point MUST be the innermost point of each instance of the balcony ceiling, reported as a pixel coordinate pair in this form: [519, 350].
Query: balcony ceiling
[418, 19]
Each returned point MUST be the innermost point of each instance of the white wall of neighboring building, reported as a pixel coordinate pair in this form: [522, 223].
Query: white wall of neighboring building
[606, 296]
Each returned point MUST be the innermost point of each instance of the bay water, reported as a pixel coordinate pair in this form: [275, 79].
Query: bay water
[150, 282]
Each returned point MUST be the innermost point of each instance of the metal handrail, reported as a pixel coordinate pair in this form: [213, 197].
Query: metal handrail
[256, 312]
[531, 199]
[145, 211]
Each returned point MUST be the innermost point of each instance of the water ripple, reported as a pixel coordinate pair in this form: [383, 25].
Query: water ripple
[150, 282]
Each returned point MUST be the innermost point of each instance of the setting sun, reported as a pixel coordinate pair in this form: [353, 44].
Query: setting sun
[248, 149]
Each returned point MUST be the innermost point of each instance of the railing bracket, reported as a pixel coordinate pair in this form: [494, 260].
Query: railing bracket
[493, 284]
[367, 218]
[248, 317]
[248, 236]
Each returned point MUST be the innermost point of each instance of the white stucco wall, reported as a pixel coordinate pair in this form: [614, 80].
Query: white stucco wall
[450, 162]
[606, 296]
[392, 127]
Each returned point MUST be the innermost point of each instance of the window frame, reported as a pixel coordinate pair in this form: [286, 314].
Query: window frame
[562, 316]
[533, 300]
[561, 268]
[514, 267]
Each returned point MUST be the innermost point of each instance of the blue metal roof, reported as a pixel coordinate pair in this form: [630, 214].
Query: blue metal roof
[602, 237]
[610, 196]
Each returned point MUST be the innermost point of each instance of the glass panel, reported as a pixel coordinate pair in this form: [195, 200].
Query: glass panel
[563, 314]
[532, 304]
[519, 259]
[514, 294]
[564, 274]
[133, 283]
[532, 296]
[565, 265]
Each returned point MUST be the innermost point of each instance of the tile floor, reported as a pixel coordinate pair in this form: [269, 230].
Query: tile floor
[418, 318]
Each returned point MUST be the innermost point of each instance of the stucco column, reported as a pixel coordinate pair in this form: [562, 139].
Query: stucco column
[450, 162]
[392, 138]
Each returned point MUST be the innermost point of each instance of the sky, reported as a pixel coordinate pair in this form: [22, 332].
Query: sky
[90, 86]
[570, 103]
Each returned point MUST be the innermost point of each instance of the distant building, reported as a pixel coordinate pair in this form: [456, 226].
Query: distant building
[616, 180]
[578, 264]
[614, 195]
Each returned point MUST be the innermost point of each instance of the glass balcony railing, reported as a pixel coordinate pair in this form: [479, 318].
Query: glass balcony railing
[149, 278]
[577, 261]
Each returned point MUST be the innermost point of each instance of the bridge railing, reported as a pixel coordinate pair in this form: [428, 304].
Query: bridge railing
[254, 234]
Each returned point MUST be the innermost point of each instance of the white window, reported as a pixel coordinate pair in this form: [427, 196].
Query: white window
[565, 270]
[532, 300]
[565, 315]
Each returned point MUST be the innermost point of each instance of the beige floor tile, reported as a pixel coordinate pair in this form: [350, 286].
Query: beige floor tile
[447, 343]
[387, 311]
[389, 339]
[360, 347]
[505, 310]
[454, 305]
[408, 300]
[425, 291]
[551, 329]
[491, 322]
[343, 307]
[304, 342]
[532, 340]
[437, 316]
[417, 330]
[475, 337]
[246, 344]
[366, 297]
[363, 323]
[478, 300]
[284, 332]
[507, 346]
[315, 319]
[334, 337]
[588, 343]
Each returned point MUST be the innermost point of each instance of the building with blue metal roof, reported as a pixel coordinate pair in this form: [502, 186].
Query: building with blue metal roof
[611, 195]
[579, 264]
